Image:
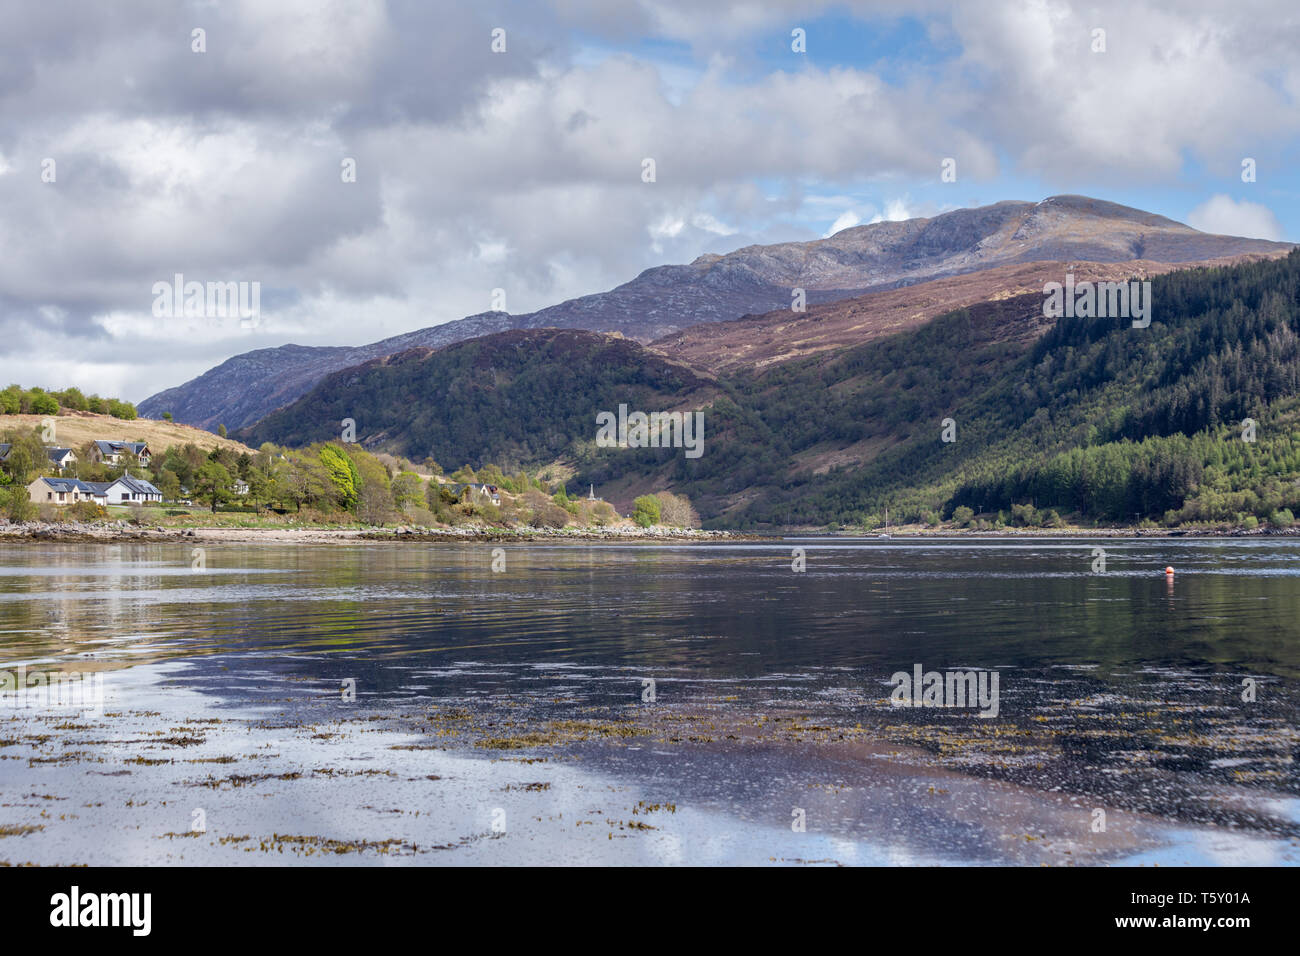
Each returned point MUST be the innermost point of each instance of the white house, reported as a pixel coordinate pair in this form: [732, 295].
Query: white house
[125, 490]
[61, 458]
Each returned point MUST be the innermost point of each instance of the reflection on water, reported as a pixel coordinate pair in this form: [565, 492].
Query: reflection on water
[718, 610]
[1123, 686]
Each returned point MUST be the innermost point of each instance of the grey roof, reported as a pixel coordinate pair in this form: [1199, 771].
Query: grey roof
[113, 446]
[4, 449]
[69, 485]
[57, 453]
[138, 485]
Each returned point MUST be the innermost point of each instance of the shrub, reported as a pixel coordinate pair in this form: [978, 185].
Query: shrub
[86, 511]
[645, 511]
[16, 504]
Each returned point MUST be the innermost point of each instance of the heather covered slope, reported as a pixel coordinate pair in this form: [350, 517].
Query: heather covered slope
[518, 398]
[1089, 417]
[749, 281]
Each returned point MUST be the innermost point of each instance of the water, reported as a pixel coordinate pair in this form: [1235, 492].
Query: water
[530, 691]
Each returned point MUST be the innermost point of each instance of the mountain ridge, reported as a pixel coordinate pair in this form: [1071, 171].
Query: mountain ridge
[755, 279]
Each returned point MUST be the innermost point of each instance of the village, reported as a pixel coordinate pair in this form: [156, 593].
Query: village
[59, 490]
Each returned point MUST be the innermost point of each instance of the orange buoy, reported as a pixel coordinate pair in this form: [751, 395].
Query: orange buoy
[1169, 570]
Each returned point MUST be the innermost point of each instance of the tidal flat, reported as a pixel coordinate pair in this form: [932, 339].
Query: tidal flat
[652, 704]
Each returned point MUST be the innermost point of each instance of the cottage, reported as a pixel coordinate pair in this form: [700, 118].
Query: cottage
[476, 493]
[62, 491]
[111, 451]
[125, 490]
[61, 458]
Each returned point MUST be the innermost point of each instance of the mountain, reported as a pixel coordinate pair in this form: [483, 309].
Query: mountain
[1088, 416]
[527, 393]
[752, 280]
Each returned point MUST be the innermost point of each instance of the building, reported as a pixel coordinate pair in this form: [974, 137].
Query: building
[63, 491]
[476, 493]
[111, 451]
[61, 458]
[125, 490]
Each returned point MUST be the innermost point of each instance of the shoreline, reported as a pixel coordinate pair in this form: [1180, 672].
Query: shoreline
[117, 532]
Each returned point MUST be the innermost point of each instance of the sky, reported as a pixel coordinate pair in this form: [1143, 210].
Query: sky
[499, 149]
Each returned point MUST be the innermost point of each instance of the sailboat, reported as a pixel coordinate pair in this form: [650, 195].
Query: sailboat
[886, 533]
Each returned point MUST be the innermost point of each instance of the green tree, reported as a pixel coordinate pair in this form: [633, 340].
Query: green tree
[406, 490]
[212, 483]
[27, 459]
[645, 511]
[342, 474]
[43, 403]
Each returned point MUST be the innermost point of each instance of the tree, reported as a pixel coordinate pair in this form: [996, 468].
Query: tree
[169, 485]
[342, 474]
[120, 409]
[645, 511]
[373, 505]
[16, 504]
[221, 431]
[27, 458]
[167, 416]
[212, 483]
[43, 403]
[676, 511]
[406, 490]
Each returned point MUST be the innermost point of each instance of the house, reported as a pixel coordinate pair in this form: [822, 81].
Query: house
[62, 491]
[110, 451]
[125, 490]
[240, 487]
[61, 458]
[476, 493]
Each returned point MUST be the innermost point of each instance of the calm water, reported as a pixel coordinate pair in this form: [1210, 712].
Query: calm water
[1123, 689]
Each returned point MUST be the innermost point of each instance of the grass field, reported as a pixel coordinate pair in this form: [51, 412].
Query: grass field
[74, 429]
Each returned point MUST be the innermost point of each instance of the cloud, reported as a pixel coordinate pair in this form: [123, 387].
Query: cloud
[845, 220]
[522, 170]
[895, 211]
[1226, 216]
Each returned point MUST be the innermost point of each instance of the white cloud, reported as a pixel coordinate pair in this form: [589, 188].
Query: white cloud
[895, 211]
[478, 171]
[845, 220]
[1226, 216]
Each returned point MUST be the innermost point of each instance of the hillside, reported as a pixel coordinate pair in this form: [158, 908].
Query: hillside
[749, 281]
[778, 336]
[527, 395]
[73, 429]
[1087, 416]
